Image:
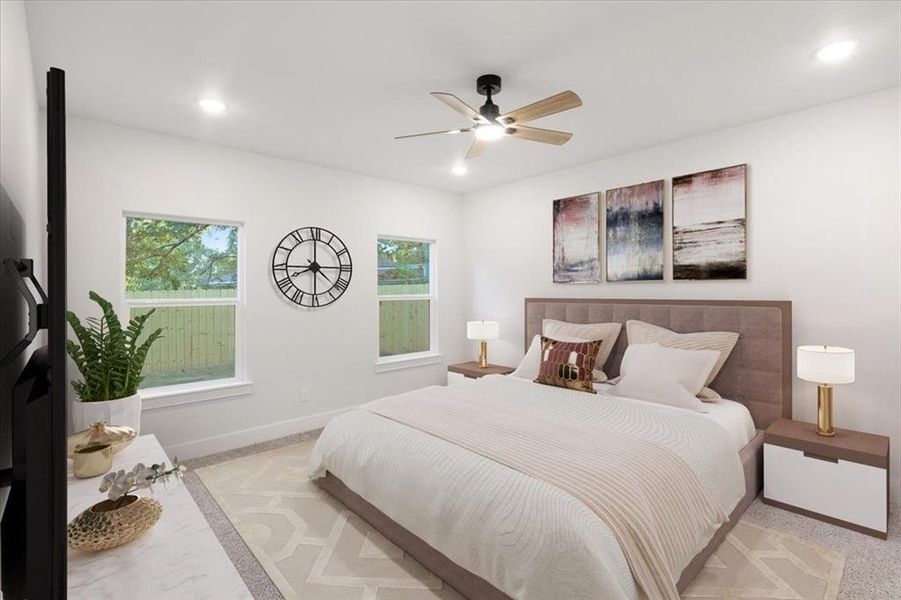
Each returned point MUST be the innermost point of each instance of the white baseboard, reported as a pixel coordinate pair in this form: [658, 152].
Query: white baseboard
[246, 437]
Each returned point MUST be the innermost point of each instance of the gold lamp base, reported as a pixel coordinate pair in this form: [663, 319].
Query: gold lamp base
[483, 354]
[824, 410]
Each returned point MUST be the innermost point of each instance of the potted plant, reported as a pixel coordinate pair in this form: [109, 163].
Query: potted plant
[110, 360]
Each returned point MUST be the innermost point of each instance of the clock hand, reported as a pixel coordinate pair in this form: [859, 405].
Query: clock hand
[295, 274]
[326, 276]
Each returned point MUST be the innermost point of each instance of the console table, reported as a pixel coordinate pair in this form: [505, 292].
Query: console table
[179, 557]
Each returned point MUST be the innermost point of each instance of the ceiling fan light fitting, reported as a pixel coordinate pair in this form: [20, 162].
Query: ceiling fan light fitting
[490, 132]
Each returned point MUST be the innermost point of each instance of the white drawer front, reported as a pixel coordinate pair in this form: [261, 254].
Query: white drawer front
[844, 490]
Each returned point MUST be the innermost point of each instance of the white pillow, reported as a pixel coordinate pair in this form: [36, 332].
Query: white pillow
[663, 375]
[586, 332]
[530, 364]
[723, 342]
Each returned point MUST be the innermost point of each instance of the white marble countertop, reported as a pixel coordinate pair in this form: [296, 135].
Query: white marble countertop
[179, 557]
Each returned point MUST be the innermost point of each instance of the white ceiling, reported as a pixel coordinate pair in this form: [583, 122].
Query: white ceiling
[332, 83]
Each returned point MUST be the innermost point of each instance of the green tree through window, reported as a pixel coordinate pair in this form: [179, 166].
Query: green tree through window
[165, 255]
[187, 271]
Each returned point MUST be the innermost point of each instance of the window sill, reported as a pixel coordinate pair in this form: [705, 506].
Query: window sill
[177, 395]
[406, 361]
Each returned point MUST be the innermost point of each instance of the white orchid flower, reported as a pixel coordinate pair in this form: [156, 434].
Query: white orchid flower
[143, 476]
[121, 483]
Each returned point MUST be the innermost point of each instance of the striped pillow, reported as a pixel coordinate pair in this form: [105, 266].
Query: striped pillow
[708, 395]
[639, 332]
[568, 364]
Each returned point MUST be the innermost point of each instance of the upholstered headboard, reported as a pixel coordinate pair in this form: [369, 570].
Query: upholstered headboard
[759, 371]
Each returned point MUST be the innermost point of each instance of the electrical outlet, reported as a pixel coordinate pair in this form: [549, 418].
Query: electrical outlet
[305, 394]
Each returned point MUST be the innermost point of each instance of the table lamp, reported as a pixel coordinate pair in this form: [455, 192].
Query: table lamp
[484, 331]
[825, 366]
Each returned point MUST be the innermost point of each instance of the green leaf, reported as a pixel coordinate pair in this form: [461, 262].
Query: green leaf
[108, 356]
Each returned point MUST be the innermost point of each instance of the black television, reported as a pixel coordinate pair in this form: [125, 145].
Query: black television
[33, 391]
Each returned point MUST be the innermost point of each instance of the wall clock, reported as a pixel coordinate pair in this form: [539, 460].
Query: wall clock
[311, 267]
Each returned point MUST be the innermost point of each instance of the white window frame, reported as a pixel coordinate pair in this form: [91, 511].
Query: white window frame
[200, 391]
[411, 359]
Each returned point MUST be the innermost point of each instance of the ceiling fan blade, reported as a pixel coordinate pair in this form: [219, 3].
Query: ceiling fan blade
[536, 134]
[460, 106]
[477, 149]
[543, 108]
[413, 135]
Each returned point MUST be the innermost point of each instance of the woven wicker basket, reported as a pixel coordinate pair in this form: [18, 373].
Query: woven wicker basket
[102, 527]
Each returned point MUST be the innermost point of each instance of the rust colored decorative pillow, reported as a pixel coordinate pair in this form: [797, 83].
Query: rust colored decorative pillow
[568, 364]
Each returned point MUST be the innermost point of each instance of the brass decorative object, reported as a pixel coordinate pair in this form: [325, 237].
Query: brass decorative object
[100, 433]
[824, 410]
[93, 460]
[103, 526]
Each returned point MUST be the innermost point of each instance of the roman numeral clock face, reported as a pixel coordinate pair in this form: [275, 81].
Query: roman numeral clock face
[311, 266]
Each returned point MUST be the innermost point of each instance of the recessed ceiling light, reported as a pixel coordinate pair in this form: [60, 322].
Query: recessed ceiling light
[459, 170]
[212, 106]
[836, 51]
[489, 132]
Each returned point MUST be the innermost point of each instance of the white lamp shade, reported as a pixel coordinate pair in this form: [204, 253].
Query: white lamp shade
[826, 364]
[483, 330]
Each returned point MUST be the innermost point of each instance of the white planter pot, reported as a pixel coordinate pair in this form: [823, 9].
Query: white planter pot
[119, 412]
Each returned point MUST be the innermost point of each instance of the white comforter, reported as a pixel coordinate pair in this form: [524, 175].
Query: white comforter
[526, 537]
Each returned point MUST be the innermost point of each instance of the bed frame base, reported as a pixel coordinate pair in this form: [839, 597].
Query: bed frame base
[470, 585]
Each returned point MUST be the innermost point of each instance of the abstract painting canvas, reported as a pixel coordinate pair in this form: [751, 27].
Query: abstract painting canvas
[635, 232]
[709, 225]
[576, 230]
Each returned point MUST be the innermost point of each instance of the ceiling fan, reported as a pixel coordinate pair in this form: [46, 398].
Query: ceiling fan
[489, 124]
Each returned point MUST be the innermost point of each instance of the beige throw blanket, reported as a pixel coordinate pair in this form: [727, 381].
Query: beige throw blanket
[651, 500]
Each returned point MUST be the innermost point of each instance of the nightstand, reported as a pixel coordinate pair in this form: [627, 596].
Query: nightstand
[843, 480]
[471, 370]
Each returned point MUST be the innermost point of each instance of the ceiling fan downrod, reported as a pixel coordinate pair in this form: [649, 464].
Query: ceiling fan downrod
[488, 85]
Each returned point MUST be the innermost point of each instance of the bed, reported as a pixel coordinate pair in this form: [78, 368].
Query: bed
[493, 529]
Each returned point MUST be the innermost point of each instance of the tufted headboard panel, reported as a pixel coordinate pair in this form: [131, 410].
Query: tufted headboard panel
[759, 371]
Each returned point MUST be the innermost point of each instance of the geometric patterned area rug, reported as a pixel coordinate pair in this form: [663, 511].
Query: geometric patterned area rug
[753, 562]
[312, 547]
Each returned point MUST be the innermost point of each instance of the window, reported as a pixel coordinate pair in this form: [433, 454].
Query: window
[188, 271]
[407, 301]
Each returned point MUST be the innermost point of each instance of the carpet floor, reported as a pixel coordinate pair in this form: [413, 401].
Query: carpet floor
[288, 539]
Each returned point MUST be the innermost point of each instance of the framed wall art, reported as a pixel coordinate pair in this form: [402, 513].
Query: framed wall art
[709, 234]
[576, 239]
[634, 222]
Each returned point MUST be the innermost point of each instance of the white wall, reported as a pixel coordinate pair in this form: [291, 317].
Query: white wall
[824, 208]
[331, 350]
[21, 147]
